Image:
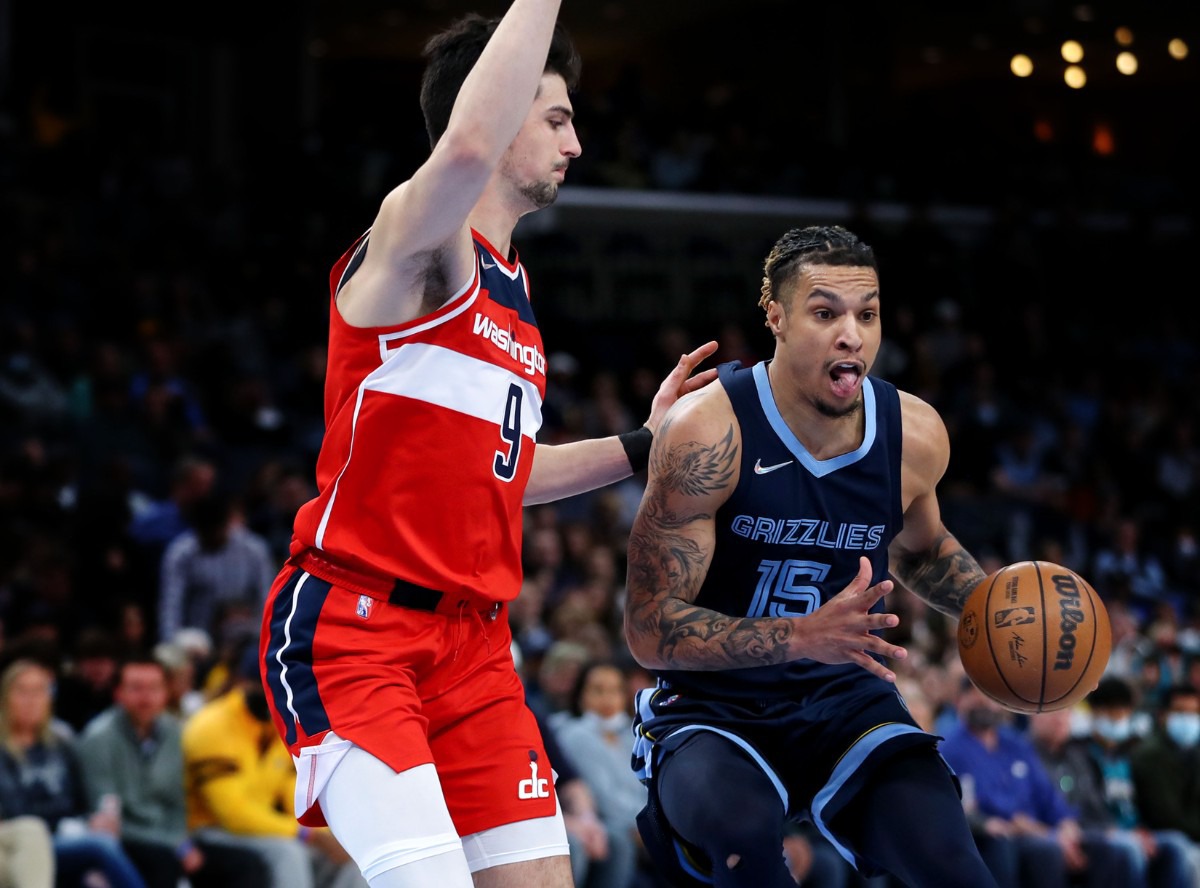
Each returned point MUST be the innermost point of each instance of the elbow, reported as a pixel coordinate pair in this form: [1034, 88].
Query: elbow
[468, 152]
[643, 649]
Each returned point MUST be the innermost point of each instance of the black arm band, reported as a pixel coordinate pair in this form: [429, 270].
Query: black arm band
[637, 447]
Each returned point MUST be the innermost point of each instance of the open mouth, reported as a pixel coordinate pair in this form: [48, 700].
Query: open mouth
[846, 376]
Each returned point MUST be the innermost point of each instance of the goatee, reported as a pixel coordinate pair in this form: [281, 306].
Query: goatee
[541, 194]
[826, 409]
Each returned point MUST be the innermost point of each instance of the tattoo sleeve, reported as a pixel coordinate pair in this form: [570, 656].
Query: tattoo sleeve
[943, 575]
[670, 548]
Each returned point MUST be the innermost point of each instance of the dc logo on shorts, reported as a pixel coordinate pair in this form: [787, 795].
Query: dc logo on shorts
[364, 606]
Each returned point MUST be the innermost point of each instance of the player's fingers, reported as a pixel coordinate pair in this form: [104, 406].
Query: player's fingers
[700, 380]
[884, 649]
[874, 666]
[687, 363]
[882, 621]
[880, 589]
[862, 579]
[694, 357]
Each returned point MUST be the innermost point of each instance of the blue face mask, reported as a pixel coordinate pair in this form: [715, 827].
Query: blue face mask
[1114, 730]
[1184, 728]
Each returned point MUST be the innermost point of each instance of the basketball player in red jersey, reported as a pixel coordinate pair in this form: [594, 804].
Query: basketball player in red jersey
[385, 642]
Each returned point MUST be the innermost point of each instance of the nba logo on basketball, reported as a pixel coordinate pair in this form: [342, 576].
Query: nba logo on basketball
[1014, 616]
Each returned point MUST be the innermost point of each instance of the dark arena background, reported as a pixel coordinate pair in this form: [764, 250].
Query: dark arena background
[176, 181]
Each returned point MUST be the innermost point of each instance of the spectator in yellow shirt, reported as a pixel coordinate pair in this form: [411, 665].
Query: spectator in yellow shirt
[241, 783]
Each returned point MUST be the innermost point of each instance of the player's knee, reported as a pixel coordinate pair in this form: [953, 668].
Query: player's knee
[733, 838]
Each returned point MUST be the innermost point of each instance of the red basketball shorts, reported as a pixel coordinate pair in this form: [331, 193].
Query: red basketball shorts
[410, 687]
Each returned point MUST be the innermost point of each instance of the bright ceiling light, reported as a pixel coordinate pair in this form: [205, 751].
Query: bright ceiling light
[1021, 65]
[1127, 63]
[1178, 49]
[1072, 52]
[1075, 77]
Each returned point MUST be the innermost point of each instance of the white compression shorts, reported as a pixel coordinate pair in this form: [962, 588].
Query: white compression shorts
[386, 820]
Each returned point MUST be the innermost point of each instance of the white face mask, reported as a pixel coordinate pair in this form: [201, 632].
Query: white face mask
[1114, 730]
[614, 724]
[1184, 728]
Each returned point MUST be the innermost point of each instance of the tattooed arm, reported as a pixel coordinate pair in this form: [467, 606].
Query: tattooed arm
[694, 467]
[925, 557]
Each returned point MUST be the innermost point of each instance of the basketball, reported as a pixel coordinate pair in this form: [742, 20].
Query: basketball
[1034, 636]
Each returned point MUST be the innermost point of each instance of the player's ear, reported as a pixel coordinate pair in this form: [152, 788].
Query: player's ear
[776, 317]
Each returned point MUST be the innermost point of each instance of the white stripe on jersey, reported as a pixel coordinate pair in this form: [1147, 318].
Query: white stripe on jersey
[472, 291]
[457, 382]
[445, 378]
[287, 643]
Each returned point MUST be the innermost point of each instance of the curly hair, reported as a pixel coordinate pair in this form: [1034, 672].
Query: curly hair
[813, 245]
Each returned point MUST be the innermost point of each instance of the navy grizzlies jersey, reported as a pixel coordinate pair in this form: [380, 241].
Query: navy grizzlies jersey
[792, 533]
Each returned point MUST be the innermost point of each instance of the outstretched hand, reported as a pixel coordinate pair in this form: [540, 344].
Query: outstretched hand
[840, 630]
[680, 382]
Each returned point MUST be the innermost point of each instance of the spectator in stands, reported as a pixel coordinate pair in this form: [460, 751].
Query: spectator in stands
[1166, 765]
[160, 521]
[551, 688]
[1026, 830]
[26, 853]
[183, 694]
[595, 731]
[241, 786]
[40, 777]
[592, 862]
[85, 687]
[1126, 570]
[1094, 773]
[216, 574]
[133, 750]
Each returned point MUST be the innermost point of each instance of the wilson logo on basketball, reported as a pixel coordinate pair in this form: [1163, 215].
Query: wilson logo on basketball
[1072, 615]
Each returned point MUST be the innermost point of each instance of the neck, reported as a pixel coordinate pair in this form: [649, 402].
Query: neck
[823, 436]
[495, 222]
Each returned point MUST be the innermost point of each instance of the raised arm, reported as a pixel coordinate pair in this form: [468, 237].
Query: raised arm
[420, 248]
[925, 557]
[694, 467]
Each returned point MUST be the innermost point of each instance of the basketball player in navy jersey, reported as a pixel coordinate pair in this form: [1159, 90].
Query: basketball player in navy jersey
[777, 503]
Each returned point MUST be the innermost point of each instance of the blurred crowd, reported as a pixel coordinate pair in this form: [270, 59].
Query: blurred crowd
[161, 367]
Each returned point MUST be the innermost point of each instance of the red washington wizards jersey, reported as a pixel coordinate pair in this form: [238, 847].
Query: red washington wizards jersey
[429, 437]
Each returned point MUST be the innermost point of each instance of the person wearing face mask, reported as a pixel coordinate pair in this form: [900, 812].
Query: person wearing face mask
[240, 784]
[1027, 831]
[1094, 773]
[1166, 767]
[594, 733]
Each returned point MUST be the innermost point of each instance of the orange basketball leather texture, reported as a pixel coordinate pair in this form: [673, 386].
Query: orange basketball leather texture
[1034, 636]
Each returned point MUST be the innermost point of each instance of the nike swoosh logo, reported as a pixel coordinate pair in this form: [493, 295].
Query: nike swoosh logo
[487, 264]
[760, 469]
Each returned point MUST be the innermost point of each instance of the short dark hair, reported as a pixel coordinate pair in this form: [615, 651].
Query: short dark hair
[452, 53]
[1178, 691]
[813, 245]
[1112, 692]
